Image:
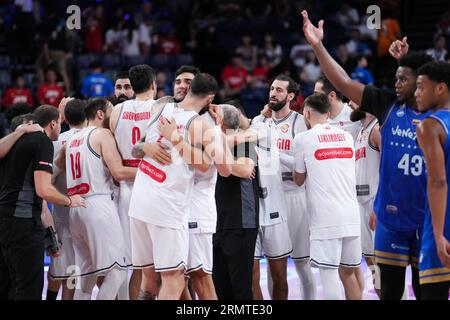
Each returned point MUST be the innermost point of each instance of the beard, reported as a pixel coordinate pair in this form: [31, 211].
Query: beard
[277, 106]
[122, 98]
[357, 115]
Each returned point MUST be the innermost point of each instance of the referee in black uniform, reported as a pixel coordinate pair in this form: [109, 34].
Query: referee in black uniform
[25, 179]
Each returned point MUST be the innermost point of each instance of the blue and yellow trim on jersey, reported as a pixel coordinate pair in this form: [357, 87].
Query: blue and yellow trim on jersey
[434, 275]
[394, 259]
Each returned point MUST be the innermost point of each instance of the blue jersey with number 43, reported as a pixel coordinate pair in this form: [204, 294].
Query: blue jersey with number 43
[401, 200]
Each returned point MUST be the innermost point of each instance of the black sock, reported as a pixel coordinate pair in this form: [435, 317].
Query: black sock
[51, 295]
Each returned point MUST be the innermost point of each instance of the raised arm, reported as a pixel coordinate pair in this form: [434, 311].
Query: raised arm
[333, 71]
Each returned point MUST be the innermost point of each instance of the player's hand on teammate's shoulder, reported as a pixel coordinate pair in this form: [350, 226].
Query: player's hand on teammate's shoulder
[266, 111]
[443, 249]
[62, 106]
[314, 35]
[399, 48]
[29, 128]
[77, 201]
[216, 113]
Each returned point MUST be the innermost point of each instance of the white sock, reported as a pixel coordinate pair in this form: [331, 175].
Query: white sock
[307, 280]
[405, 295]
[113, 280]
[269, 282]
[123, 293]
[331, 284]
[87, 284]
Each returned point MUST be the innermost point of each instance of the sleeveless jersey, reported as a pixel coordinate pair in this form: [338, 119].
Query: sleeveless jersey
[133, 120]
[367, 164]
[342, 121]
[203, 213]
[428, 241]
[401, 200]
[161, 194]
[86, 172]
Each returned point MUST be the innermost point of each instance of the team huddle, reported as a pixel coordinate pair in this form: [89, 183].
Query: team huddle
[147, 180]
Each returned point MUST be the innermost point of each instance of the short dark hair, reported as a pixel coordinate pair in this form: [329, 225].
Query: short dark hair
[141, 77]
[45, 114]
[18, 120]
[318, 102]
[414, 60]
[185, 68]
[436, 71]
[95, 105]
[204, 84]
[74, 112]
[292, 87]
[121, 75]
[17, 110]
[328, 87]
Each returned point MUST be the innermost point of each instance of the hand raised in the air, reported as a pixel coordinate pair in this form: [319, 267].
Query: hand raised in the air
[313, 35]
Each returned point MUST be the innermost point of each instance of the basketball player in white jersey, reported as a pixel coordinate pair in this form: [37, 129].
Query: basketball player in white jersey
[288, 124]
[182, 83]
[340, 118]
[273, 241]
[367, 148]
[128, 123]
[325, 158]
[123, 90]
[340, 111]
[159, 208]
[61, 267]
[92, 161]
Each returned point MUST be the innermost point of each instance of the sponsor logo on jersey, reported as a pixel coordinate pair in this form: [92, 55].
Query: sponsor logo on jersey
[284, 128]
[333, 153]
[400, 113]
[82, 188]
[153, 172]
[404, 133]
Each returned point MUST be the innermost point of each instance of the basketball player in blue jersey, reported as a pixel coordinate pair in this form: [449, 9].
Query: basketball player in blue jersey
[433, 83]
[400, 204]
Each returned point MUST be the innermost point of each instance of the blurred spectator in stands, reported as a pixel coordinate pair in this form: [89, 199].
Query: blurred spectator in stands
[297, 104]
[343, 58]
[443, 25]
[230, 9]
[17, 94]
[259, 77]
[347, 16]
[248, 52]
[310, 73]
[21, 46]
[389, 32]
[97, 84]
[202, 16]
[162, 83]
[168, 44]
[113, 38]
[273, 52]
[234, 78]
[366, 33]
[439, 50]
[258, 9]
[298, 53]
[130, 42]
[162, 93]
[447, 58]
[12, 112]
[283, 9]
[361, 73]
[50, 92]
[145, 36]
[94, 29]
[356, 45]
[51, 36]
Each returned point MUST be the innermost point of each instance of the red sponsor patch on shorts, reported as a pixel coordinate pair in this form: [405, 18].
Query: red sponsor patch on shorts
[333, 153]
[83, 188]
[155, 173]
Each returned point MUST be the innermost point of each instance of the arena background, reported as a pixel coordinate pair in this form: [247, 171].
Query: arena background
[166, 34]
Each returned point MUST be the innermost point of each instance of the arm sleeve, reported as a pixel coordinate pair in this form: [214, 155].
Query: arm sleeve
[44, 155]
[376, 101]
[299, 156]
